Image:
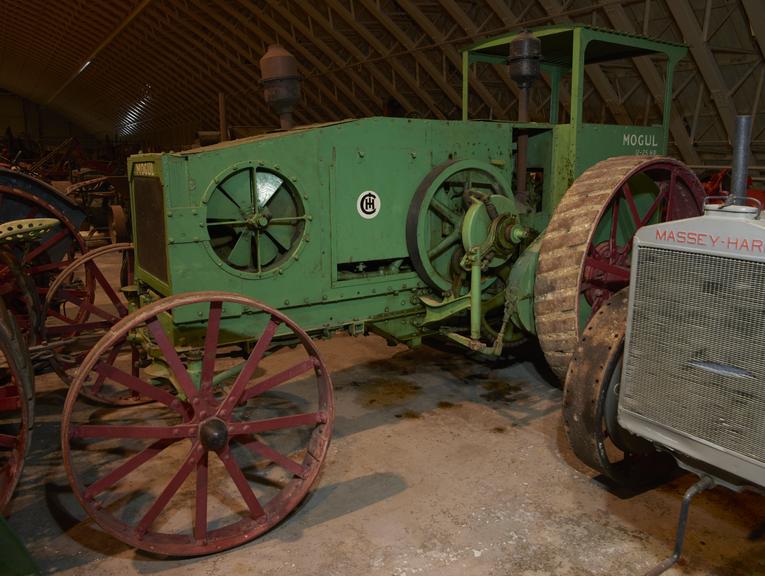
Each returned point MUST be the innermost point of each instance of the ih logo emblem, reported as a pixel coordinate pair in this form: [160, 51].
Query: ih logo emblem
[368, 204]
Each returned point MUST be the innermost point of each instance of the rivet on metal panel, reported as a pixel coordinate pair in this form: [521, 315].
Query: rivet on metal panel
[286, 302]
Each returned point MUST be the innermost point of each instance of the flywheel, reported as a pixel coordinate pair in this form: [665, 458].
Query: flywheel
[434, 225]
[585, 253]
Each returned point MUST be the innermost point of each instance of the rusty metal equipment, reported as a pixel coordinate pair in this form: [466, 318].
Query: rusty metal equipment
[281, 83]
[25, 277]
[668, 372]
[105, 202]
[245, 251]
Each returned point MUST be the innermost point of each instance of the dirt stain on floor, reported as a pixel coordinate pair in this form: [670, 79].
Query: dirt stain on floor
[447, 404]
[503, 390]
[411, 414]
[384, 392]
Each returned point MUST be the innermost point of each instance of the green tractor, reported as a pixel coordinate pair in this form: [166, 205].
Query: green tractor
[219, 406]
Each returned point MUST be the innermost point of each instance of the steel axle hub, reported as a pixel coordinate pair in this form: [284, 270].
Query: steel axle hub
[213, 433]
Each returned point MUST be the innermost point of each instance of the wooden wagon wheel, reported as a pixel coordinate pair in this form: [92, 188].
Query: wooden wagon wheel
[16, 404]
[222, 455]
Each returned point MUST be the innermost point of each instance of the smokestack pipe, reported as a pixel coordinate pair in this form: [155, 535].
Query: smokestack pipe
[741, 159]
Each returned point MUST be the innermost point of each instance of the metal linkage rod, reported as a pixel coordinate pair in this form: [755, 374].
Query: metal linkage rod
[705, 483]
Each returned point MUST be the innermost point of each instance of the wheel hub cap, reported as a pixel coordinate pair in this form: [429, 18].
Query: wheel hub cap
[213, 434]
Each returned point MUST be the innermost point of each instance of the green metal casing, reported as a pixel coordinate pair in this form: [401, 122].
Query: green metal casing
[564, 150]
[331, 165]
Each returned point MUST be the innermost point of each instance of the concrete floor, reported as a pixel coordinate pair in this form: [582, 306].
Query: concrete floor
[440, 464]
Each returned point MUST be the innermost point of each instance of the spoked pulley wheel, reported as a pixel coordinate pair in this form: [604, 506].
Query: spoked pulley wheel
[82, 303]
[585, 253]
[16, 405]
[232, 443]
[434, 222]
[590, 402]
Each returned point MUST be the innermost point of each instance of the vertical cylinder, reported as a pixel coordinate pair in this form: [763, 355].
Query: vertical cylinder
[741, 158]
[475, 297]
[523, 145]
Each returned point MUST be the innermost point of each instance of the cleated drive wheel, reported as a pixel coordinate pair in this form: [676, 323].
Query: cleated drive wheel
[81, 306]
[16, 405]
[585, 253]
[590, 401]
[225, 452]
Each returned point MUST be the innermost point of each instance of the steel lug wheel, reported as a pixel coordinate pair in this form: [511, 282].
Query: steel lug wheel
[585, 254]
[590, 401]
[221, 455]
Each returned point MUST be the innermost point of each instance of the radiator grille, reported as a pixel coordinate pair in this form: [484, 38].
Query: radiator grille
[149, 216]
[696, 356]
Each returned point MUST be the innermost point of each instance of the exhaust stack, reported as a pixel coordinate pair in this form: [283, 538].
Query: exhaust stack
[740, 159]
[281, 83]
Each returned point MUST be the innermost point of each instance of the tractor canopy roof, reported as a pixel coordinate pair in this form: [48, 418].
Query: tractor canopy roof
[558, 46]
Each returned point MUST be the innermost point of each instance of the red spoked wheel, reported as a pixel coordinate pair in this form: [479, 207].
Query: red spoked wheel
[585, 254]
[82, 303]
[43, 259]
[16, 405]
[230, 444]
[20, 295]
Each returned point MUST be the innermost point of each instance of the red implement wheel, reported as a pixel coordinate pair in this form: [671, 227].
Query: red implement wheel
[81, 305]
[584, 258]
[43, 259]
[20, 296]
[224, 453]
[16, 405]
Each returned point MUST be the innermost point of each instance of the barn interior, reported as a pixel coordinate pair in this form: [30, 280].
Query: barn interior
[382, 287]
